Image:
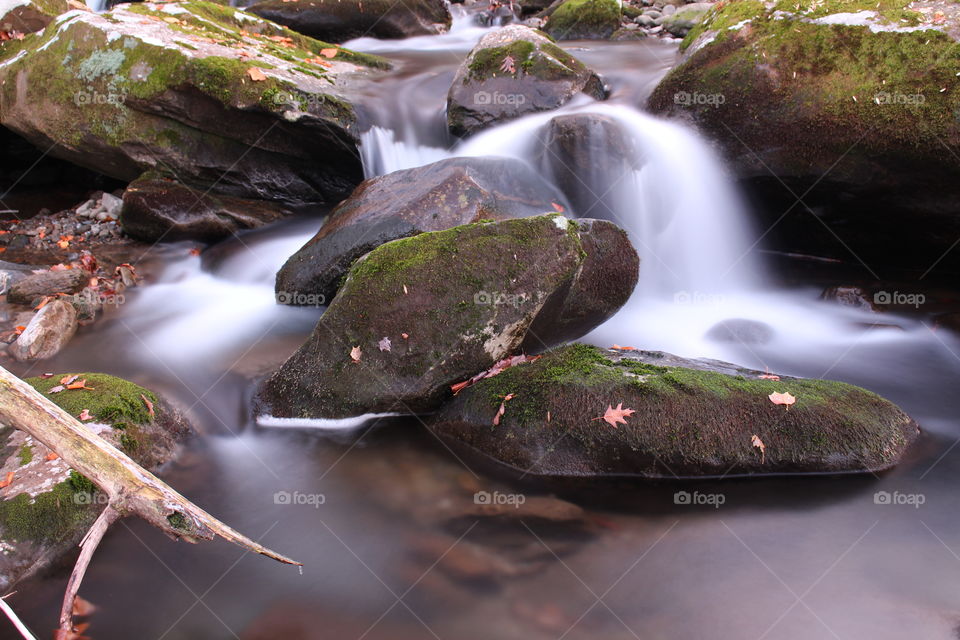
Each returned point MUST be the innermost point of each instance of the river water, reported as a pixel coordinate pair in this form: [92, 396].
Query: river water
[382, 516]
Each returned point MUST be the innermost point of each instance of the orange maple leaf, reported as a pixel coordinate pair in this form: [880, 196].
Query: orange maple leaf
[782, 398]
[6, 481]
[614, 416]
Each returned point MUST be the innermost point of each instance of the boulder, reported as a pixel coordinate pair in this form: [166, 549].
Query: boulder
[222, 98]
[686, 418]
[32, 288]
[28, 16]
[47, 508]
[588, 155]
[512, 72]
[584, 20]
[434, 197]
[158, 208]
[47, 333]
[849, 111]
[342, 20]
[685, 18]
[419, 314]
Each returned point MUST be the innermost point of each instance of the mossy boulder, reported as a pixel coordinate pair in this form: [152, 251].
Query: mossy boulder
[685, 18]
[28, 16]
[512, 72]
[156, 207]
[438, 196]
[419, 314]
[584, 20]
[224, 99]
[342, 20]
[851, 105]
[46, 508]
[691, 418]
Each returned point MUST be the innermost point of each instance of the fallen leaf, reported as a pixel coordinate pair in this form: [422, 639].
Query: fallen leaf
[56, 389]
[256, 75]
[194, 252]
[507, 398]
[51, 456]
[557, 207]
[82, 608]
[84, 415]
[769, 376]
[67, 379]
[385, 344]
[44, 302]
[405, 292]
[614, 416]
[46, 375]
[508, 65]
[149, 404]
[355, 354]
[758, 443]
[329, 53]
[497, 368]
[548, 416]
[6, 481]
[19, 329]
[79, 384]
[405, 336]
[782, 398]
[617, 347]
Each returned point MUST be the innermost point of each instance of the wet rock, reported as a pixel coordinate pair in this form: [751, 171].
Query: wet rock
[584, 20]
[589, 155]
[864, 143]
[544, 77]
[29, 16]
[851, 296]
[419, 314]
[690, 418]
[47, 508]
[47, 333]
[157, 208]
[434, 197]
[949, 321]
[741, 331]
[680, 21]
[342, 20]
[30, 289]
[170, 85]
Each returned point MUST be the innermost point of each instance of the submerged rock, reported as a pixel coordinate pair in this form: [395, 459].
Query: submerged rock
[511, 72]
[342, 20]
[855, 111]
[224, 99]
[47, 333]
[584, 20]
[47, 508]
[404, 203]
[689, 418]
[419, 314]
[741, 331]
[158, 208]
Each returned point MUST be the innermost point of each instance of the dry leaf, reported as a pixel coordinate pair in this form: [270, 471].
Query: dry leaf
[385, 344]
[79, 384]
[6, 481]
[56, 389]
[617, 347]
[507, 398]
[84, 415]
[256, 75]
[508, 65]
[51, 456]
[758, 443]
[499, 367]
[614, 416]
[355, 354]
[557, 207]
[782, 398]
[329, 53]
[149, 404]
[405, 336]
[67, 379]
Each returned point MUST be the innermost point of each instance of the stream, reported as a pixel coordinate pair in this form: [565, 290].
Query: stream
[375, 512]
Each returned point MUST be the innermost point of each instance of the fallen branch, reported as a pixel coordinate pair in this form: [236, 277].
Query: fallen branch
[130, 489]
[22, 628]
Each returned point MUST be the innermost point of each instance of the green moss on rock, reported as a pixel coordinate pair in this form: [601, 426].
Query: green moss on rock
[584, 20]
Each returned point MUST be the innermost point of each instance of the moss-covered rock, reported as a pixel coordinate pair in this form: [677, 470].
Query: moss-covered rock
[691, 418]
[156, 207]
[220, 97]
[404, 203]
[852, 104]
[511, 72]
[584, 20]
[342, 20]
[429, 311]
[28, 16]
[47, 507]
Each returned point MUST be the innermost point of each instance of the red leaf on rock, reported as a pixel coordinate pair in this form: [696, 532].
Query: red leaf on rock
[6, 481]
[51, 456]
[499, 367]
[85, 415]
[79, 384]
[782, 398]
[385, 344]
[256, 75]
[507, 398]
[557, 207]
[614, 416]
[67, 379]
[149, 404]
[508, 65]
[758, 443]
[355, 354]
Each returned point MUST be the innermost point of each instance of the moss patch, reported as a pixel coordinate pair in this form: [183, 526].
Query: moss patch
[576, 19]
[112, 400]
[51, 516]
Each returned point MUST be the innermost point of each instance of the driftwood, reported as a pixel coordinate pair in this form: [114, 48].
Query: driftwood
[130, 489]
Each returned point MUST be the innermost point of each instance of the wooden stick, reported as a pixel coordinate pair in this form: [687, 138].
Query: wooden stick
[88, 545]
[22, 628]
[130, 489]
